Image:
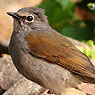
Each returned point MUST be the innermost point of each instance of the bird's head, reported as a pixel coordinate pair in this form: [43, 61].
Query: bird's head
[31, 17]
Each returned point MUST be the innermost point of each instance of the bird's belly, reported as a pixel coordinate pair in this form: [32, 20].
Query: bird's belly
[46, 74]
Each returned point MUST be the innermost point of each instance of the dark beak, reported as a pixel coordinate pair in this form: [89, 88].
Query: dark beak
[14, 15]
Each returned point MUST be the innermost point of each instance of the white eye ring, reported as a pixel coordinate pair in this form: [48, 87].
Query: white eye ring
[30, 18]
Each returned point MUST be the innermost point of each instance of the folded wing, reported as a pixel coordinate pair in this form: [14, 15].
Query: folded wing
[56, 49]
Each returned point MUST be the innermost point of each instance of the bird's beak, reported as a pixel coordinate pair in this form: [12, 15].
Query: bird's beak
[13, 14]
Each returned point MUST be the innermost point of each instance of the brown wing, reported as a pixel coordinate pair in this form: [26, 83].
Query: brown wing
[55, 48]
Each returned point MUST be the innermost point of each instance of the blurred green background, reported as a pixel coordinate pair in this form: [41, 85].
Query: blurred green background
[62, 17]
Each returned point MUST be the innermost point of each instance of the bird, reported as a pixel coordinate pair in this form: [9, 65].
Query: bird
[45, 56]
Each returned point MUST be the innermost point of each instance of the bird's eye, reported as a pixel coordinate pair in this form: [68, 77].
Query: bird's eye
[30, 18]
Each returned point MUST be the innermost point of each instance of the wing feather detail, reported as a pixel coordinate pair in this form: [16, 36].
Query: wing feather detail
[57, 49]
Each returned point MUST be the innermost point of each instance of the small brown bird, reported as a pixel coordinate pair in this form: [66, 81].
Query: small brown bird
[45, 56]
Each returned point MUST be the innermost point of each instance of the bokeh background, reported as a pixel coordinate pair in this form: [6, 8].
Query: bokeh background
[72, 18]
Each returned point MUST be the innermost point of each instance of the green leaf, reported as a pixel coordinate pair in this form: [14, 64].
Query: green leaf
[91, 6]
[90, 42]
[87, 51]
